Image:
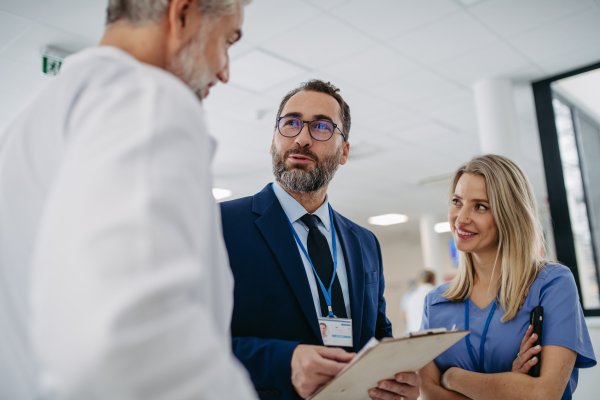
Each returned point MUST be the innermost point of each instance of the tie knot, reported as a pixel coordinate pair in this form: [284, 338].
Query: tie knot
[310, 220]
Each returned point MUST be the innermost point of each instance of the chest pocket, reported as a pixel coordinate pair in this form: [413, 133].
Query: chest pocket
[371, 277]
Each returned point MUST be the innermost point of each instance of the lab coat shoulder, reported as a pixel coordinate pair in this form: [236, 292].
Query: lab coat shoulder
[131, 291]
[128, 96]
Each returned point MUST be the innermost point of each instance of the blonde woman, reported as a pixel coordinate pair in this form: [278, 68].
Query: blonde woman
[501, 278]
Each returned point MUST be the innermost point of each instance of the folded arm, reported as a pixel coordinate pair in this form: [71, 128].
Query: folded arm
[431, 388]
[557, 365]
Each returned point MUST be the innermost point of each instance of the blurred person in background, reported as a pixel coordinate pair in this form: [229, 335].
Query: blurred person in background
[111, 252]
[501, 278]
[411, 287]
[414, 306]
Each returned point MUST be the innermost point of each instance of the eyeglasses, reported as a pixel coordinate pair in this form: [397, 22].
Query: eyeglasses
[321, 130]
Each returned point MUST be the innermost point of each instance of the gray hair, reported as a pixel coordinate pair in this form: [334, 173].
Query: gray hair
[137, 12]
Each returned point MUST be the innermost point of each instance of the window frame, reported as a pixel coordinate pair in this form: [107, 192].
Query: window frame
[555, 182]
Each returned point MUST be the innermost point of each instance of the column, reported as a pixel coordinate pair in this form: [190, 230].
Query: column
[430, 247]
[497, 120]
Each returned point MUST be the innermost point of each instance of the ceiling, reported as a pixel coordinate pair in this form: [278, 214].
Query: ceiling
[406, 68]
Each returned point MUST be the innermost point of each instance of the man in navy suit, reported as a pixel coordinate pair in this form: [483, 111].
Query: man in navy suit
[298, 264]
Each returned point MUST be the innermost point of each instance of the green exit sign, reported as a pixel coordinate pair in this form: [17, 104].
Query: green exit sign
[52, 59]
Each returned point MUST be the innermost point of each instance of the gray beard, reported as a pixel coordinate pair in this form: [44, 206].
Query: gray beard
[190, 64]
[297, 179]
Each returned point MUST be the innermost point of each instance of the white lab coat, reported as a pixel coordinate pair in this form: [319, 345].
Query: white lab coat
[111, 251]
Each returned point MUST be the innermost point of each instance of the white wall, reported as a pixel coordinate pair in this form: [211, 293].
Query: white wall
[402, 261]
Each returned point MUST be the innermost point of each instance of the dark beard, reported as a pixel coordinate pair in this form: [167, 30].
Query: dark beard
[297, 178]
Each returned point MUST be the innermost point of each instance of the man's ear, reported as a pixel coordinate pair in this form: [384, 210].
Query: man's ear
[271, 148]
[346, 152]
[183, 19]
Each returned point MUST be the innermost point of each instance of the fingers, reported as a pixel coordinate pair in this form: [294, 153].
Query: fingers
[525, 362]
[526, 346]
[408, 378]
[326, 367]
[391, 390]
[333, 353]
[527, 335]
[527, 366]
[312, 366]
[530, 353]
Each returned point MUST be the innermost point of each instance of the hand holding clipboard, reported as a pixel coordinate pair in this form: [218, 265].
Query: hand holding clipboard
[379, 360]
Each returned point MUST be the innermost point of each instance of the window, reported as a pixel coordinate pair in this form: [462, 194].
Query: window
[568, 111]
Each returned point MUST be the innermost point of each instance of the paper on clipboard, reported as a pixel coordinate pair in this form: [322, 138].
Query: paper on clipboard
[380, 360]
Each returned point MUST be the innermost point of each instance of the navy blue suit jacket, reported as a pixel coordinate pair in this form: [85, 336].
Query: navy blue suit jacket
[273, 306]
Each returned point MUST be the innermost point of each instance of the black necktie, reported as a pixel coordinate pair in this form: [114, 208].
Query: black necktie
[320, 255]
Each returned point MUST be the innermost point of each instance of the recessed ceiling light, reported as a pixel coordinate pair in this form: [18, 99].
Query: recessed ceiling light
[221, 193]
[442, 227]
[388, 219]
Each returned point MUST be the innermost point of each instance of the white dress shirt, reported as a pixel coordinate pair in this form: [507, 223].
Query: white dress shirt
[294, 212]
[111, 251]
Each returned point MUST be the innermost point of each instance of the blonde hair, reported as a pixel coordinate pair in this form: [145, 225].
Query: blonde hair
[519, 233]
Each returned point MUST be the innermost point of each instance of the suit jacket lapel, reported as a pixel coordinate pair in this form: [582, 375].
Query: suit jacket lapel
[356, 276]
[276, 230]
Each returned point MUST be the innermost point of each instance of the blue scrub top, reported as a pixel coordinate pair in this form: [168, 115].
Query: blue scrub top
[564, 325]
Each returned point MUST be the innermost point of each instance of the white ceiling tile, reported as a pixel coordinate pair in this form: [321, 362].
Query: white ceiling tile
[458, 150]
[425, 133]
[414, 87]
[279, 91]
[265, 19]
[11, 27]
[442, 101]
[371, 67]
[385, 19]
[21, 80]
[27, 47]
[494, 60]
[32, 9]
[452, 36]
[224, 96]
[509, 17]
[574, 59]
[461, 116]
[239, 49]
[247, 133]
[558, 38]
[374, 115]
[259, 71]
[85, 18]
[327, 4]
[321, 42]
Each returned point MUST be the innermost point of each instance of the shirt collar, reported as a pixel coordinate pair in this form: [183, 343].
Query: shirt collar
[295, 210]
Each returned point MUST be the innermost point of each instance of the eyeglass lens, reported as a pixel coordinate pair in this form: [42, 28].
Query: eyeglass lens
[319, 130]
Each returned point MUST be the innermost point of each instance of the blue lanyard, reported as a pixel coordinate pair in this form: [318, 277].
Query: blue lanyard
[326, 293]
[479, 365]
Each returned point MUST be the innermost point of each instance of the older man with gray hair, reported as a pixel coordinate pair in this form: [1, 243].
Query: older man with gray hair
[114, 277]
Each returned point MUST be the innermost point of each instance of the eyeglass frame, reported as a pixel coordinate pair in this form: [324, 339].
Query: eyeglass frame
[309, 131]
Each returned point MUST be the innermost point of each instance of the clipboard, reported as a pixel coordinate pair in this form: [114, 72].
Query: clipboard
[379, 360]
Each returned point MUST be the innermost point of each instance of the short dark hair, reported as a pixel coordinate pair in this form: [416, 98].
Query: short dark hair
[427, 277]
[316, 85]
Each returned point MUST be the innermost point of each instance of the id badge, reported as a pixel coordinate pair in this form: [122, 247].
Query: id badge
[336, 331]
